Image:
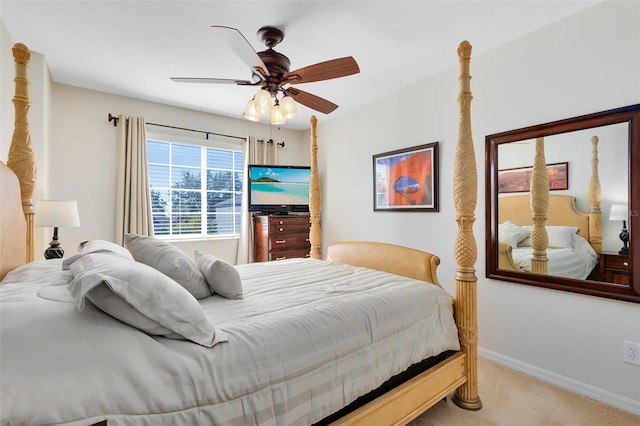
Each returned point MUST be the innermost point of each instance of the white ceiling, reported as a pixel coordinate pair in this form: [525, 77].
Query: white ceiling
[131, 48]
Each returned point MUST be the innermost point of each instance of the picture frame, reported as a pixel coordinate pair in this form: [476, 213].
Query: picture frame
[518, 179]
[406, 179]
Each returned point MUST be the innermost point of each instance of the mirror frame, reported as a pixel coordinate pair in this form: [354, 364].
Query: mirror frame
[629, 114]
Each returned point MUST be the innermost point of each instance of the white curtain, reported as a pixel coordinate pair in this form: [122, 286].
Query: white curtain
[133, 200]
[254, 152]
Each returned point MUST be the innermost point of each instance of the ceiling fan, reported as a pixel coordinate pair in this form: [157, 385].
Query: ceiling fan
[270, 71]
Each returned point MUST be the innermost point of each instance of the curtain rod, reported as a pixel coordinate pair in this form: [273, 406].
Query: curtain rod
[115, 123]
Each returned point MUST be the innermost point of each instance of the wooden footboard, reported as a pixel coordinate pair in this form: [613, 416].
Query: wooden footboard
[406, 402]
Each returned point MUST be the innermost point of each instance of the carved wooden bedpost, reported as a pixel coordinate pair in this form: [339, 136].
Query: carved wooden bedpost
[465, 194]
[595, 197]
[21, 159]
[315, 199]
[539, 201]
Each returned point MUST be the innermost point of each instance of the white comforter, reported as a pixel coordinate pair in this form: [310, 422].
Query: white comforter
[309, 337]
[576, 262]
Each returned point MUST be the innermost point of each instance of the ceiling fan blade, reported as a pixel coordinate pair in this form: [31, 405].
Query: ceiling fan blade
[212, 81]
[323, 71]
[311, 101]
[242, 47]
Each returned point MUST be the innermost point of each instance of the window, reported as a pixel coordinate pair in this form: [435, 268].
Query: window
[196, 191]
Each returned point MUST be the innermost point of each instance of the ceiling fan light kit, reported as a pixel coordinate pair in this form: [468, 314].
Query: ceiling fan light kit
[270, 71]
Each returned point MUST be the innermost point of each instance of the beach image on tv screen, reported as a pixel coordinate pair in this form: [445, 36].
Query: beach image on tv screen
[272, 185]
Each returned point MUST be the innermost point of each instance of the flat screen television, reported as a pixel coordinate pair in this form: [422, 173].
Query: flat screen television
[278, 189]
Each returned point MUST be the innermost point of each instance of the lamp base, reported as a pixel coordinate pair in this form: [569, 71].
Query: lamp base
[54, 251]
[624, 237]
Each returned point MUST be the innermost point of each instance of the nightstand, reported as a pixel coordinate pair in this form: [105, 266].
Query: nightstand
[614, 268]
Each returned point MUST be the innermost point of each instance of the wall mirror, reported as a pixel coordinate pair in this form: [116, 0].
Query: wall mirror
[577, 227]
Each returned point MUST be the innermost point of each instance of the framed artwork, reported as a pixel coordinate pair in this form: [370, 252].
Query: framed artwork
[406, 179]
[519, 179]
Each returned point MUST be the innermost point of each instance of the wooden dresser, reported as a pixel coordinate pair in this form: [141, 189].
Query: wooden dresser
[614, 268]
[280, 237]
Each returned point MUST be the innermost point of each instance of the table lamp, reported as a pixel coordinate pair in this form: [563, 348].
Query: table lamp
[620, 212]
[56, 214]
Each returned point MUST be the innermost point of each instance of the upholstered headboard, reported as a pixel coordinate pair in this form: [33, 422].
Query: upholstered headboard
[13, 226]
[562, 212]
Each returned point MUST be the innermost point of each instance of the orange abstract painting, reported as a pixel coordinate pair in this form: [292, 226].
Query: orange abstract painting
[406, 179]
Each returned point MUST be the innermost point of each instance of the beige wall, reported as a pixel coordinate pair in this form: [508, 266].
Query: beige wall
[589, 62]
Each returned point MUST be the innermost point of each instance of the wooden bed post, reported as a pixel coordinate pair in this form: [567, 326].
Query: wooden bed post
[539, 207]
[315, 199]
[595, 197]
[465, 194]
[20, 158]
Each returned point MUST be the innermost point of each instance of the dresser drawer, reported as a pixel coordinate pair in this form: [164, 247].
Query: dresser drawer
[616, 262]
[289, 254]
[292, 225]
[289, 241]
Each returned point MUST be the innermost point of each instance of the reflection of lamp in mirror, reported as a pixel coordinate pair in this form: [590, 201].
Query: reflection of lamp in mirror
[619, 212]
[56, 214]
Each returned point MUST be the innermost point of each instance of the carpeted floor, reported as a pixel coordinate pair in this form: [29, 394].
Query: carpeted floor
[511, 398]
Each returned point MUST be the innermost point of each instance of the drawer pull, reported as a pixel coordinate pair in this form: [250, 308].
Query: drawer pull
[307, 240]
[625, 264]
[281, 222]
[281, 229]
[281, 241]
[281, 258]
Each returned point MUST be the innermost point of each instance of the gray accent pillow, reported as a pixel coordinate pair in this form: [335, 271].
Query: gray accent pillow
[223, 278]
[169, 260]
[142, 297]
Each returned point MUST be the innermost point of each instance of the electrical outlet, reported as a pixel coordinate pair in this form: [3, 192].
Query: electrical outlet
[631, 352]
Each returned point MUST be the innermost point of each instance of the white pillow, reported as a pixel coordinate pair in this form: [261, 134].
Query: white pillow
[561, 236]
[95, 246]
[511, 233]
[142, 297]
[169, 260]
[511, 238]
[558, 236]
[222, 277]
[508, 226]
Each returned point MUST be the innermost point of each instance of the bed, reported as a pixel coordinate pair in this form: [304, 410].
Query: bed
[365, 336]
[572, 239]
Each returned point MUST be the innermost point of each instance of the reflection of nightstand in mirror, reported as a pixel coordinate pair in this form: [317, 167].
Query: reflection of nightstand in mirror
[614, 268]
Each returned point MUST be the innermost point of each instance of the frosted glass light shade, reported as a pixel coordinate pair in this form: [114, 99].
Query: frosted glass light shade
[263, 100]
[277, 116]
[619, 212]
[251, 111]
[57, 213]
[289, 107]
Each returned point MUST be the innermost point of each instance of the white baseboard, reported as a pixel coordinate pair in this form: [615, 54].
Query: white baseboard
[567, 383]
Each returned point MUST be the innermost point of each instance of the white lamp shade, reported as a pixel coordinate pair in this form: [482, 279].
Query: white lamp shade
[619, 212]
[57, 214]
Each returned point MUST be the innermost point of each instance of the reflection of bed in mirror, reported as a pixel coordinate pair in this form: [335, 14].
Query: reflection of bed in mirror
[570, 253]
[573, 239]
